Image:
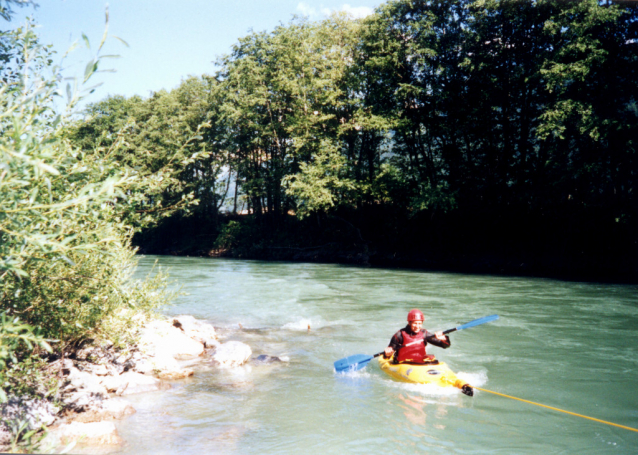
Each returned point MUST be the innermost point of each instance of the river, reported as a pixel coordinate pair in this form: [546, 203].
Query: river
[568, 345]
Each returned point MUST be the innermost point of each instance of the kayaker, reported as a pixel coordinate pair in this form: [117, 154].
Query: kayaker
[408, 344]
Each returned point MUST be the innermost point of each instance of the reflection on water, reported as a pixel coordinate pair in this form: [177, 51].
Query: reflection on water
[569, 345]
[414, 410]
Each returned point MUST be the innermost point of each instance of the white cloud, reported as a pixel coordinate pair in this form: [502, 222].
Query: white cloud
[306, 10]
[356, 12]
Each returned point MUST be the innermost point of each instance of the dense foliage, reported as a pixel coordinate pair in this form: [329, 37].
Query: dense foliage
[517, 117]
[65, 254]
[481, 125]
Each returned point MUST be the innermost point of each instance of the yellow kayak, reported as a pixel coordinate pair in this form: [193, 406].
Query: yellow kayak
[434, 372]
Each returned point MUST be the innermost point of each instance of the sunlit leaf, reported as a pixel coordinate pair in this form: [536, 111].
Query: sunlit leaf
[91, 67]
[120, 40]
[47, 168]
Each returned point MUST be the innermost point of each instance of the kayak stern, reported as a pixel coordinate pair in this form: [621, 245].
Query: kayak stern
[431, 373]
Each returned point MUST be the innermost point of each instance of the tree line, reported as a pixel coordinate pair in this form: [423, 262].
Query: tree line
[432, 105]
[462, 111]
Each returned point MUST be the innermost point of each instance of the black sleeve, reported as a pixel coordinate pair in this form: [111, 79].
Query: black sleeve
[432, 339]
[397, 341]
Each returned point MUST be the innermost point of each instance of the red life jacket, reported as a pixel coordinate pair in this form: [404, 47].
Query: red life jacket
[413, 348]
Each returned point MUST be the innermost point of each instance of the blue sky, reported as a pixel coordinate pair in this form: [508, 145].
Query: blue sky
[167, 39]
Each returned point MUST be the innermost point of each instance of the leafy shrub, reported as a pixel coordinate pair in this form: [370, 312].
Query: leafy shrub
[65, 255]
[229, 235]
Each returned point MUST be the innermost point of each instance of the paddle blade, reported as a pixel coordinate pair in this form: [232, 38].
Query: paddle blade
[352, 363]
[480, 321]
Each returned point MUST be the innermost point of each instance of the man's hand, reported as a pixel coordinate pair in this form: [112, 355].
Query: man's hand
[388, 352]
[440, 336]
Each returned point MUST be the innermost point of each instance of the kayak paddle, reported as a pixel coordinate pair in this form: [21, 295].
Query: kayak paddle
[358, 361]
[473, 323]
[354, 362]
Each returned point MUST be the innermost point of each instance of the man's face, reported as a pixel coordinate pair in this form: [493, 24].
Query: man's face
[415, 326]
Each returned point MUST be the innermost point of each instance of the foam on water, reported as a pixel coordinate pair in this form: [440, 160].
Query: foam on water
[276, 280]
[354, 374]
[304, 325]
[477, 379]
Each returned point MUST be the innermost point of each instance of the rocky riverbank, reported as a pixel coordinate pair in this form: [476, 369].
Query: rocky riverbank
[96, 379]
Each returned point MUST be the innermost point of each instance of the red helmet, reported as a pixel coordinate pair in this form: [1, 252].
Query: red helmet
[415, 315]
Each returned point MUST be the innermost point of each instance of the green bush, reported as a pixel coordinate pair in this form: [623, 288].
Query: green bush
[65, 255]
[229, 235]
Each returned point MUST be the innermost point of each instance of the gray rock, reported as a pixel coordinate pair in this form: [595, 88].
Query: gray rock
[162, 337]
[35, 413]
[232, 354]
[98, 370]
[139, 383]
[177, 374]
[211, 343]
[91, 433]
[112, 383]
[196, 329]
[5, 436]
[82, 400]
[111, 409]
[122, 358]
[86, 381]
[267, 359]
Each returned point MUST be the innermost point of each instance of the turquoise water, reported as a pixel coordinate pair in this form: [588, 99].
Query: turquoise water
[569, 345]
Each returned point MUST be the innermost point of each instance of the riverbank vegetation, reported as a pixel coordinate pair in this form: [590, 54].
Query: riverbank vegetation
[66, 258]
[463, 134]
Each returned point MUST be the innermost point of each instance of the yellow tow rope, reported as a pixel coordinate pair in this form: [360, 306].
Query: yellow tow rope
[557, 409]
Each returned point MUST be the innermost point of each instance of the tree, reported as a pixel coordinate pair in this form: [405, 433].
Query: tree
[6, 12]
[165, 140]
[284, 104]
[589, 128]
